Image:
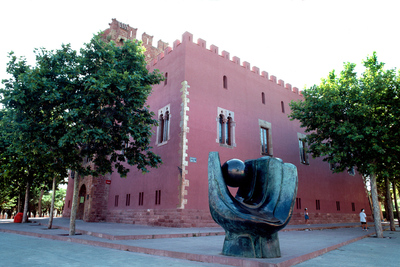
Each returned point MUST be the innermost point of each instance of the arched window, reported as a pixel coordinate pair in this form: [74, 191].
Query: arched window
[225, 82]
[263, 98]
[228, 132]
[166, 78]
[221, 129]
[166, 126]
[282, 107]
[161, 125]
[226, 127]
[164, 117]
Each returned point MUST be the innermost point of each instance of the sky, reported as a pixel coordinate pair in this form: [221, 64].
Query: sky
[298, 41]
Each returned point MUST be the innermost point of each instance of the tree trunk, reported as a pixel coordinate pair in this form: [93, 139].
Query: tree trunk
[40, 201]
[53, 196]
[74, 207]
[26, 203]
[385, 207]
[376, 209]
[19, 202]
[389, 204]
[395, 201]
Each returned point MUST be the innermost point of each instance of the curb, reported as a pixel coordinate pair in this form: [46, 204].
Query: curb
[217, 259]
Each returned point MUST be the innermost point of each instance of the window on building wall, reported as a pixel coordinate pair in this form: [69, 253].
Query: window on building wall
[303, 148]
[163, 129]
[283, 107]
[263, 98]
[166, 78]
[226, 127]
[141, 195]
[351, 171]
[158, 197]
[264, 132]
[298, 203]
[265, 137]
[338, 205]
[116, 200]
[303, 153]
[128, 200]
[353, 206]
[225, 82]
[69, 203]
[317, 204]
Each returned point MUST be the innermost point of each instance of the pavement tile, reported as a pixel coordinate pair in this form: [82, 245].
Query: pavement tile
[298, 243]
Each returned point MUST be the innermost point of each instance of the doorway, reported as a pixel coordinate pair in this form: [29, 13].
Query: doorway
[81, 205]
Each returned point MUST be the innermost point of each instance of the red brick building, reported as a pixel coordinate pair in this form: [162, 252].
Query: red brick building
[212, 101]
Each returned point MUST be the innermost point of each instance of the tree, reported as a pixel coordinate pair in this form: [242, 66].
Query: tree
[89, 108]
[24, 156]
[353, 122]
[394, 186]
[59, 194]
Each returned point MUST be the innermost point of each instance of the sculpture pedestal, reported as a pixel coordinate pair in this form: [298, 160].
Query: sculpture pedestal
[251, 246]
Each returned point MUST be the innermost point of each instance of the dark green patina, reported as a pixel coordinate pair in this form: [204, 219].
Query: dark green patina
[262, 206]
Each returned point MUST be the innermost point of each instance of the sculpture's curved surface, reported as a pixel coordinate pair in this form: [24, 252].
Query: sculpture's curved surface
[263, 204]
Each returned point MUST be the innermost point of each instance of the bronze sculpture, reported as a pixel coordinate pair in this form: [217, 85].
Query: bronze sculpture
[262, 206]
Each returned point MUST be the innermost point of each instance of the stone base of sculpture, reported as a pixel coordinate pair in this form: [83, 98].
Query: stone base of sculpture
[263, 205]
[251, 246]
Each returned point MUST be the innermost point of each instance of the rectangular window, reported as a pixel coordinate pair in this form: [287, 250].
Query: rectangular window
[265, 137]
[317, 204]
[264, 133]
[283, 107]
[116, 201]
[69, 203]
[353, 206]
[298, 203]
[141, 198]
[303, 153]
[158, 197]
[302, 148]
[337, 205]
[128, 200]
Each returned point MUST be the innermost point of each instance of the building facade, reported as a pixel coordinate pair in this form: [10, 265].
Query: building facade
[211, 101]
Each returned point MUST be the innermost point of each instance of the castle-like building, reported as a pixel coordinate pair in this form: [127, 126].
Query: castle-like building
[212, 101]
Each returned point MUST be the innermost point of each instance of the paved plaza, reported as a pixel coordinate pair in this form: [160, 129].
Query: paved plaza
[108, 244]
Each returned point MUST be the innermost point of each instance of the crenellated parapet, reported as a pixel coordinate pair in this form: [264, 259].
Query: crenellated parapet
[119, 32]
[188, 37]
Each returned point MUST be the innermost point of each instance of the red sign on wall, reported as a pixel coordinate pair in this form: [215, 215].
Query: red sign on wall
[108, 181]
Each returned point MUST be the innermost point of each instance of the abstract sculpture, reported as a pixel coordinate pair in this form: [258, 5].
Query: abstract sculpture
[263, 204]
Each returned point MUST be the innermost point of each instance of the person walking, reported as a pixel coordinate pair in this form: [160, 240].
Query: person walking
[306, 217]
[363, 220]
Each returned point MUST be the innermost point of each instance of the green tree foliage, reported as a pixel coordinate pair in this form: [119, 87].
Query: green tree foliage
[353, 122]
[58, 201]
[7, 199]
[73, 108]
